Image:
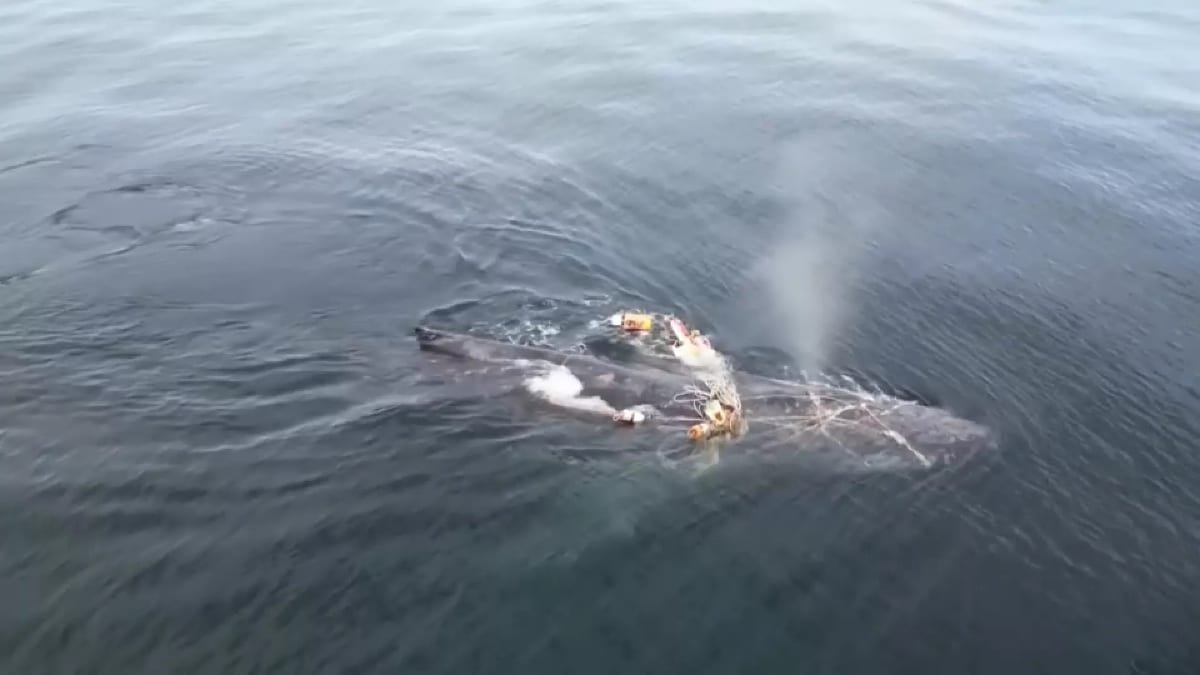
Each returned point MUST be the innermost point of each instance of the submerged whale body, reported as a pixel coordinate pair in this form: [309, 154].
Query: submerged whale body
[810, 418]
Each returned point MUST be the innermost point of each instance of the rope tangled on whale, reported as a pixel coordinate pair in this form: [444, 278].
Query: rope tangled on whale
[717, 404]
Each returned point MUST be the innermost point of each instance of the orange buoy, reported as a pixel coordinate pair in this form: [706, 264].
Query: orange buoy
[631, 322]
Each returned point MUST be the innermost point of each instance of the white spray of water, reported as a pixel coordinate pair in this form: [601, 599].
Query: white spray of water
[804, 281]
[814, 259]
[558, 385]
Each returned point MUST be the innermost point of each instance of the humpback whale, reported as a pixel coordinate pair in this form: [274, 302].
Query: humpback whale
[782, 417]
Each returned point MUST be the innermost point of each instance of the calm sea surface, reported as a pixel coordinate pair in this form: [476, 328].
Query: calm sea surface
[221, 452]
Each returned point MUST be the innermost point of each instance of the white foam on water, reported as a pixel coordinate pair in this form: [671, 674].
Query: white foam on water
[558, 385]
[701, 359]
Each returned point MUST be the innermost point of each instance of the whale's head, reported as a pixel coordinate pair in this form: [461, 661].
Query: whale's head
[873, 431]
[942, 437]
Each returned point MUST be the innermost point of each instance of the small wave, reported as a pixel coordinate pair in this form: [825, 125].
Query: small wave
[522, 316]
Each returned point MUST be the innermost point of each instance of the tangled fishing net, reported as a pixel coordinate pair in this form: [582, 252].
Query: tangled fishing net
[715, 400]
[716, 403]
[821, 408]
[831, 409]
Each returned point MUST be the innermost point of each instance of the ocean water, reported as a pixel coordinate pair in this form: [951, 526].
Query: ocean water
[221, 451]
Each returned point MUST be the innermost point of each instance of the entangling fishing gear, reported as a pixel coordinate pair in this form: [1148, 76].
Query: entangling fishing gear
[715, 401]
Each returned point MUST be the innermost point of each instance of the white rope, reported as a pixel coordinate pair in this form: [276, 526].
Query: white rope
[832, 407]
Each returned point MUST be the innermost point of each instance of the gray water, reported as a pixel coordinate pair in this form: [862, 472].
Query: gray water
[221, 452]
